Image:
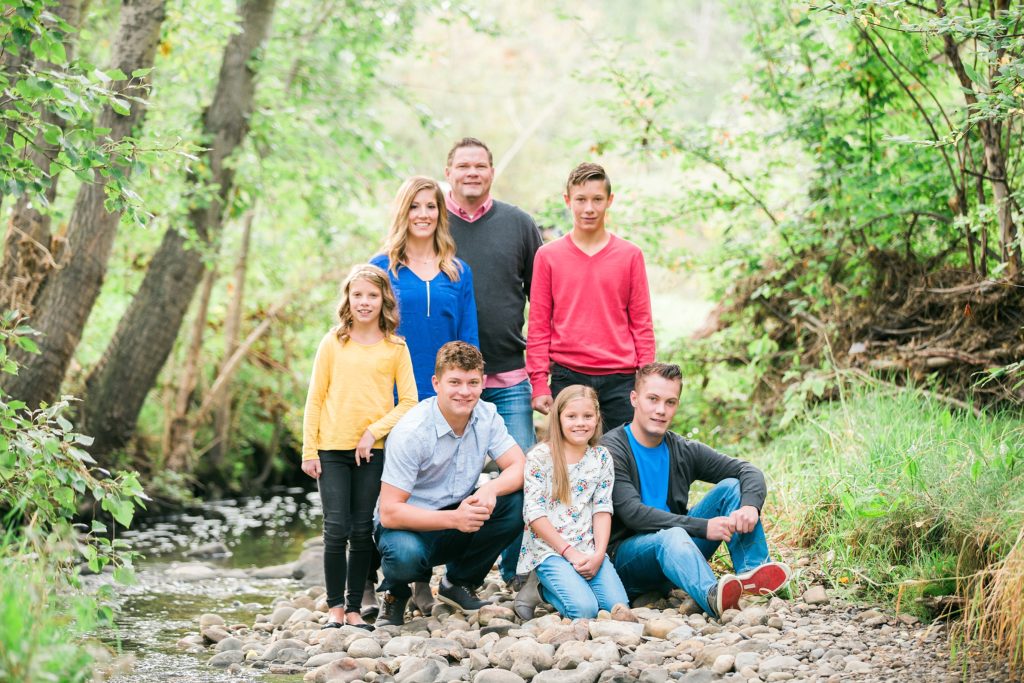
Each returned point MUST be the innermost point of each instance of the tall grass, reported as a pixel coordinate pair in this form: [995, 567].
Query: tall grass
[41, 621]
[909, 499]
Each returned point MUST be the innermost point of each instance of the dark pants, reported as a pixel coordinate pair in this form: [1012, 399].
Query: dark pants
[612, 392]
[348, 495]
[408, 556]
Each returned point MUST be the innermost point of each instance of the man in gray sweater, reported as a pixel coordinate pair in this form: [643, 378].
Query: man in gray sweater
[498, 241]
[658, 542]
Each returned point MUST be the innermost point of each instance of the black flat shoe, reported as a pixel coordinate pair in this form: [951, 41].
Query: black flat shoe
[331, 624]
[365, 627]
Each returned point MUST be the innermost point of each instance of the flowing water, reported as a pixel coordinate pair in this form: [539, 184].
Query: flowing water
[158, 610]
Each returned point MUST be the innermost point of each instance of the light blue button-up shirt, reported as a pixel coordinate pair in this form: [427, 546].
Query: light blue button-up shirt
[425, 458]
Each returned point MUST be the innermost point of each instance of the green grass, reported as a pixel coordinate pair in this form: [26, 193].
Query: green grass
[41, 621]
[903, 497]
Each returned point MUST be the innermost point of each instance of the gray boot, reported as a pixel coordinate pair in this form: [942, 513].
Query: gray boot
[422, 598]
[527, 598]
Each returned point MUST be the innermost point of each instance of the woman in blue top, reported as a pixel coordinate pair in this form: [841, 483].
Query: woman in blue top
[435, 289]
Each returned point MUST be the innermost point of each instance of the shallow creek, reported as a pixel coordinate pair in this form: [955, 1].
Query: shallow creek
[159, 610]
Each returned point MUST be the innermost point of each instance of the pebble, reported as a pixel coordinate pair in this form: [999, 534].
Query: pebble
[812, 638]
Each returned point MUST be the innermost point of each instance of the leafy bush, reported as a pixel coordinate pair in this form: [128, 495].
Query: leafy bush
[44, 477]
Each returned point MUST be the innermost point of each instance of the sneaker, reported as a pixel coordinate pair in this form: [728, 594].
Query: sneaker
[369, 608]
[460, 597]
[392, 610]
[527, 598]
[422, 598]
[725, 595]
[766, 579]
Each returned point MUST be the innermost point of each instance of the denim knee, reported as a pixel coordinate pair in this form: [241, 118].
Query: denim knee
[361, 536]
[675, 540]
[731, 487]
[403, 556]
[581, 606]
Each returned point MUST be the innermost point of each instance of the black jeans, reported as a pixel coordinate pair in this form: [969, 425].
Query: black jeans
[612, 392]
[348, 495]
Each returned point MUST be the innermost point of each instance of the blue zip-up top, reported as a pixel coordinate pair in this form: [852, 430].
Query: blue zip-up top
[431, 314]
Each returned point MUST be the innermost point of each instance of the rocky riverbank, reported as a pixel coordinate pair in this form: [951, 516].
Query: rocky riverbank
[810, 638]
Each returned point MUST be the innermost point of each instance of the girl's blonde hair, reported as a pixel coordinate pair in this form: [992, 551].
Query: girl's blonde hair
[556, 440]
[398, 233]
[388, 319]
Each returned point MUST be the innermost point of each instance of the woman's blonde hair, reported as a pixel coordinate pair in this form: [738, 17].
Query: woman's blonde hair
[556, 440]
[388, 319]
[398, 233]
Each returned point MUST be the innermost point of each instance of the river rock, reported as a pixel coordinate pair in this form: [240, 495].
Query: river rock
[279, 571]
[723, 664]
[523, 657]
[342, 670]
[324, 658]
[770, 665]
[420, 670]
[816, 595]
[229, 643]
[215, 634]
[296, 617]
[587, 672]
[497, 676]
[660, 628]
[439, 647]
[222, 660]
[401, 645]
[747, 659]
[191, 571]
[275, 648]
[365, 647]
[281, 615]
[206, 620]
[488, 612]
[622, 632]
[309, 568]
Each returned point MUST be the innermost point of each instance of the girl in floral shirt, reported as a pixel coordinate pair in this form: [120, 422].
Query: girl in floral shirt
[568, 507]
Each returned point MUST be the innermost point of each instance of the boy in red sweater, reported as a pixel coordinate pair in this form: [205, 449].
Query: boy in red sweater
[590, 306]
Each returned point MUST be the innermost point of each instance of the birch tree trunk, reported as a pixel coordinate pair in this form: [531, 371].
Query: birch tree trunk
[117, 387]
[66, 297]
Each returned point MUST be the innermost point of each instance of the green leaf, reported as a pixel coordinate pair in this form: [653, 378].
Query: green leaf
[116, 75]
[120, 106]
[973, 75]
[125, 575]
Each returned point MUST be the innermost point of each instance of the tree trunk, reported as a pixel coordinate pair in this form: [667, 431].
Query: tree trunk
[232, 326]
[995, 159]
[117, 387]
[180, 435]
[28, 254]
[66, 298]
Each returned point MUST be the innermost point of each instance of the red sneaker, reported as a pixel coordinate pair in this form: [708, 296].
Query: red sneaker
[725, 595]
[766, 579]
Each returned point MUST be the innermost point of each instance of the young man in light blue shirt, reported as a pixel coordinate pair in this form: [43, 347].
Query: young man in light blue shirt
[429, 513]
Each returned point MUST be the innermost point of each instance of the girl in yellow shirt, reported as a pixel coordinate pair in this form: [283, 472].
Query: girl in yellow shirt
[350, 408]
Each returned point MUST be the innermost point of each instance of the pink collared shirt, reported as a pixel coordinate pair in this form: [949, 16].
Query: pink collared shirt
[454, 207]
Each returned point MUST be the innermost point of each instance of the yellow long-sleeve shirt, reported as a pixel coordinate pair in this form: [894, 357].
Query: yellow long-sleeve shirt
[352, 390]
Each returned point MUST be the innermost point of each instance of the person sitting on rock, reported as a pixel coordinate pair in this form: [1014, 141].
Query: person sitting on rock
[428, 512]
[657, 542]
[567, 503]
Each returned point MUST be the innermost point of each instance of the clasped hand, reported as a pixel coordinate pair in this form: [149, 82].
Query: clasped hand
[741, 521]
[586, 566]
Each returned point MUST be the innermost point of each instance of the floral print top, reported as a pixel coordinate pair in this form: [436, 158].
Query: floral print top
[590, 489]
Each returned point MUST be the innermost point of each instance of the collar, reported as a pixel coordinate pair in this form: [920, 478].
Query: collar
[441, 426]
[455, 208]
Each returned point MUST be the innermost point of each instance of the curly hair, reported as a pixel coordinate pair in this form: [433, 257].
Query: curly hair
[556, 439]
[398, 232]
[388, 319]
[458, 354]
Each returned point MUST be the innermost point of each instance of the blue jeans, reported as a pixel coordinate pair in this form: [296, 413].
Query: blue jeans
[670, 558]
[576, 597]
[513, 404]
[408, 556]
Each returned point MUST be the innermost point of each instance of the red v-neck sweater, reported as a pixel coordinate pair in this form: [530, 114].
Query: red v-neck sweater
[591, 314]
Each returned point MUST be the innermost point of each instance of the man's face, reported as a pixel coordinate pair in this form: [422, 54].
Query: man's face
[588, 203]
[458, 391]
[470, 174]
[654, 405]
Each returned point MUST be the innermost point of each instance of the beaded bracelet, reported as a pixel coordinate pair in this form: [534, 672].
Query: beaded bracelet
[567, 546]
